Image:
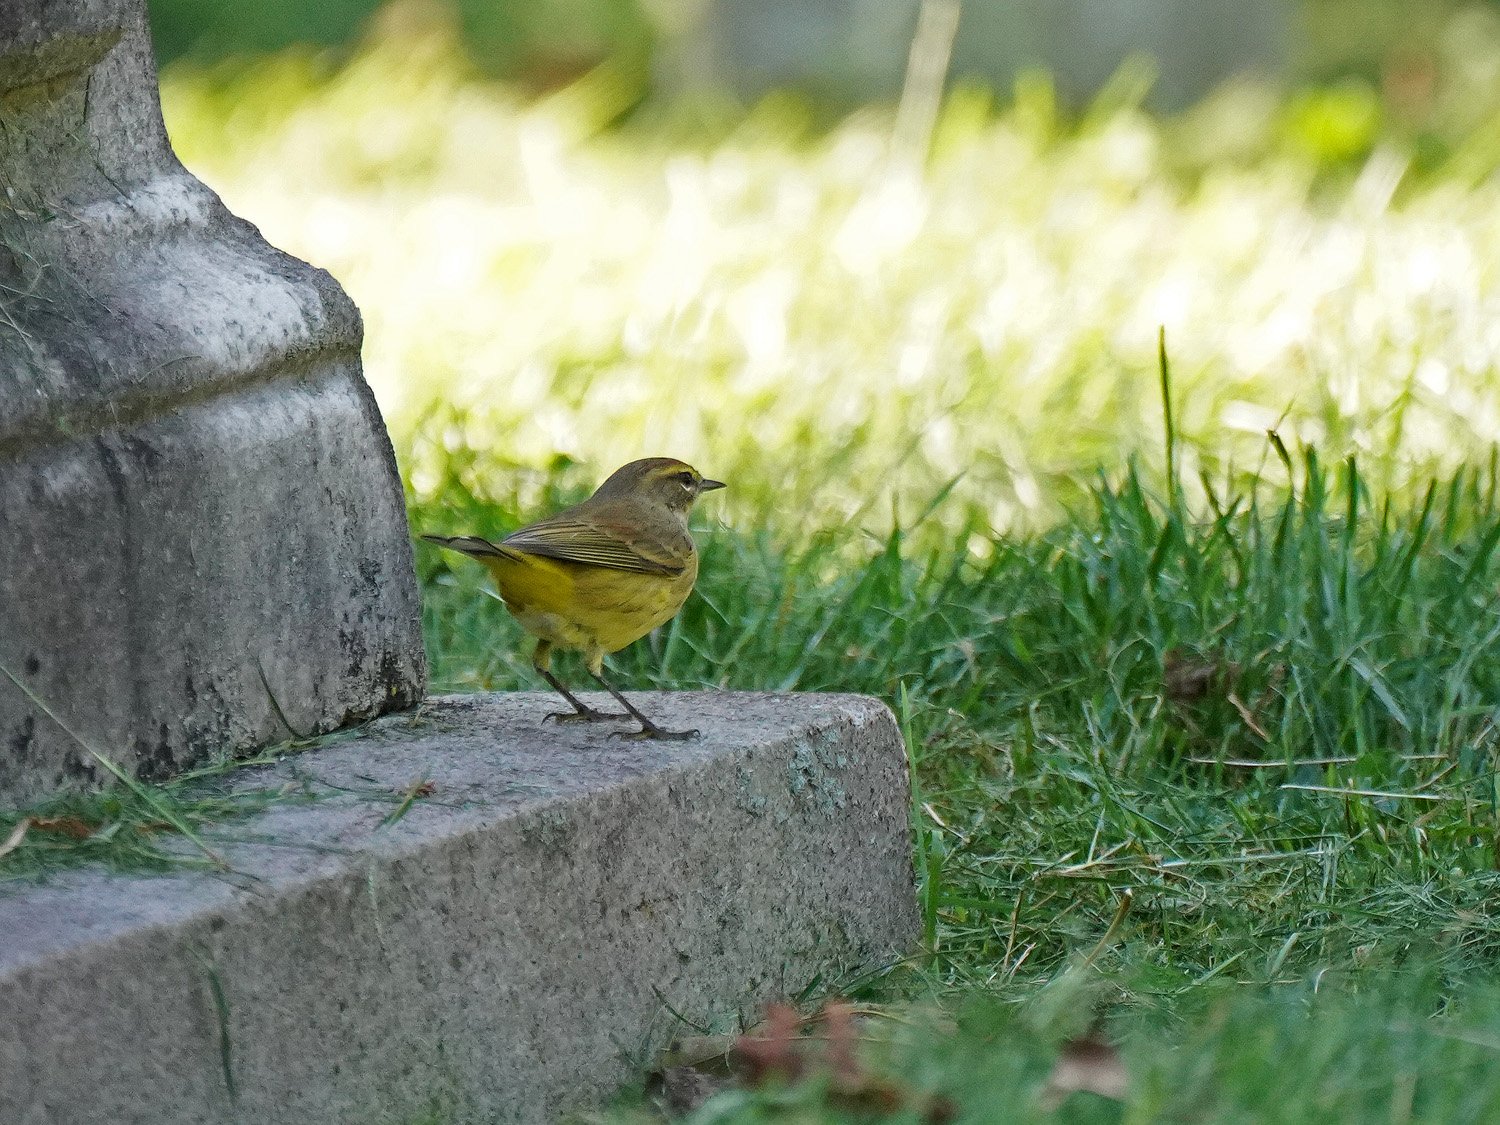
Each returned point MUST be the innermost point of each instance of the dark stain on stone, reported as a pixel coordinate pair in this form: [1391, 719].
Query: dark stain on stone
[155, 762]
[77, 769]
[369, 570]
[398, 690]
[393, 689]
[353, 645]
[111, 466]
[33, 665]
[21, 742]
[146, 455]
[210, 726]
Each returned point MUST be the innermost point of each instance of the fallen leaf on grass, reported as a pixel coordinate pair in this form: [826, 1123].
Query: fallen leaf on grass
[1186, 677]
[838, 1028]
[781, 1049]
[679, 1090]
[1088, 1064]
[17, 834]
[773, 1049]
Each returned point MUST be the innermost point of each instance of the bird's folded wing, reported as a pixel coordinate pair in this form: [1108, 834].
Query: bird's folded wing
[573, 540]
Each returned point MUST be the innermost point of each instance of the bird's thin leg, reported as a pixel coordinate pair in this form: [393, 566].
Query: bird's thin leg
[582, 712]
[648, 728]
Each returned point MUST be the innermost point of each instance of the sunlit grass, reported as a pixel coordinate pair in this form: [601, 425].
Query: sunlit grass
[794, 311]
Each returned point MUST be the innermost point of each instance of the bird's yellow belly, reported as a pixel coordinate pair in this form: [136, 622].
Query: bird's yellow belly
[571, 605]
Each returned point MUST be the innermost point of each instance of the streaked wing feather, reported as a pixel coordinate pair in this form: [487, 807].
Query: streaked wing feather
[469, 545]
[573, 540]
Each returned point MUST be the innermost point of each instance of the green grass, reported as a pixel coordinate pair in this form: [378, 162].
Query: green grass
[135, 827]
[139, 827]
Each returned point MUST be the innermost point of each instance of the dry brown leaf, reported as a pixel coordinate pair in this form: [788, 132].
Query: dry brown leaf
[1186, 677]
[1089, 1064]
[772, 1049]
[679, 1090]
[73, 827]
[17, 834]
[838, 1026]
[779, 1049]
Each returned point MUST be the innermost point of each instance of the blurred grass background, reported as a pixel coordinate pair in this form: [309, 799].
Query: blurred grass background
[1251, 683]
[785, 301]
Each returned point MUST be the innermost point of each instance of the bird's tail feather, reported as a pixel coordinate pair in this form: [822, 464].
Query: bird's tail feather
[473, 545]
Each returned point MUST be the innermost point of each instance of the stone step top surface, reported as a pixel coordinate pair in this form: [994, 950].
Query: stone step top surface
[487, 757]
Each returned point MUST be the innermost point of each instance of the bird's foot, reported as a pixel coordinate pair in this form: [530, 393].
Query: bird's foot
[652, 731]
[585, 715]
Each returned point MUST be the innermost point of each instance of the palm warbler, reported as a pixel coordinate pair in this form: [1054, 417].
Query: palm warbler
[601, 574]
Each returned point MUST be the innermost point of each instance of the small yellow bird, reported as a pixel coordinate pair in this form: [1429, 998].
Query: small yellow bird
[601, 574]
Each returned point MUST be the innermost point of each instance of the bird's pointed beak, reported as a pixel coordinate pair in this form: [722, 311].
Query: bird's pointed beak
[709, 485]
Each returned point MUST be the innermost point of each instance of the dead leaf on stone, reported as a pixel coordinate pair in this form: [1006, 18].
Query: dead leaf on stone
[17, 834]
[1088, 1064]
[75, 828]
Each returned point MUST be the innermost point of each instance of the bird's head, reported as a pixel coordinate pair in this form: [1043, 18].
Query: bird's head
[658, 480]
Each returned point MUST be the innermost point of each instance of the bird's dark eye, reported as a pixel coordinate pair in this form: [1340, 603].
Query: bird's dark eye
[685, 479]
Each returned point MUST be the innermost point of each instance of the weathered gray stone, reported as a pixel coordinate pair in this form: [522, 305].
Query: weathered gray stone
[200, 518]
[517, 943]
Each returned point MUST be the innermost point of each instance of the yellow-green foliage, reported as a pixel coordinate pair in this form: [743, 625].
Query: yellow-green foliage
[799, 311]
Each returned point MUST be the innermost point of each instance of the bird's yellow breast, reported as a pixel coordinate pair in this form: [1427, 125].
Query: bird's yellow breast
[574, 605]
